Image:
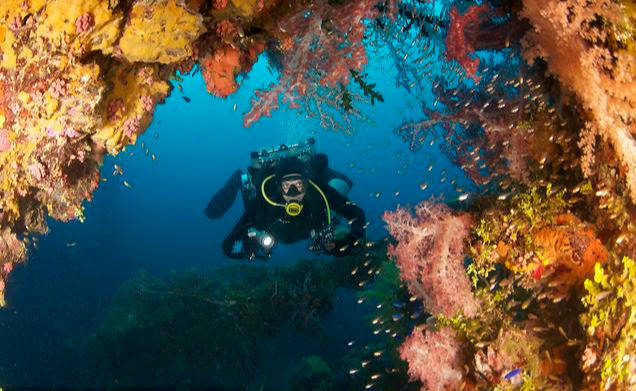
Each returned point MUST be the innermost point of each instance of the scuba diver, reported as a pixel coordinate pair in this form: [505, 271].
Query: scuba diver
[290, 194]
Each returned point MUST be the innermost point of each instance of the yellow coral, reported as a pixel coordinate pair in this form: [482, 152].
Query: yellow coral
[7, 39]
[247, 7]
[130, 84]
[10, 8]
[611, 326]
[59, 24]
[160, 31]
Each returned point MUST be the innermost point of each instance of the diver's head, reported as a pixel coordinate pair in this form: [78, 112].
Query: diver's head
[292, 187]
[292, 181]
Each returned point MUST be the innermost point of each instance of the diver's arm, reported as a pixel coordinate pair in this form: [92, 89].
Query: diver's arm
[355, 217]
[224, 198]
[237, 244]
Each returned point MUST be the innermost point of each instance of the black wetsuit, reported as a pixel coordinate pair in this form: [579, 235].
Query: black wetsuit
[263, 216]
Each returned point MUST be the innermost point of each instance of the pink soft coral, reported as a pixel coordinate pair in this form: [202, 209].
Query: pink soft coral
[430, 255]
[148, 103]
[5, 144]
[435, 358]
[570, 36]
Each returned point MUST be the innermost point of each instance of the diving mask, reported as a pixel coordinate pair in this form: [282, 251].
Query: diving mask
[293, 189]
[292, 185]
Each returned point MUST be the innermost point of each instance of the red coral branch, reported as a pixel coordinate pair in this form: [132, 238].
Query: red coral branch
[458, 46]
[475, 29]
[320, 45]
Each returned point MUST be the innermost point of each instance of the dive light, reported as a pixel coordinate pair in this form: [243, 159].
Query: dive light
[264, 239]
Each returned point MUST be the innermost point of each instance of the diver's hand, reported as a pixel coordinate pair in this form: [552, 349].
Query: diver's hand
[255, 248]
[322, 241]
[244, 249]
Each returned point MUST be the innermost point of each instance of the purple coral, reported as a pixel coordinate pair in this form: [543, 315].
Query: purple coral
[70, 132]
[146, 75]
[84, 22]
[131, 127]
[58, 88]
[147, 103]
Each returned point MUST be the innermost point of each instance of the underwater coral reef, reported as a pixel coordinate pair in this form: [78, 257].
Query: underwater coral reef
[526, 283]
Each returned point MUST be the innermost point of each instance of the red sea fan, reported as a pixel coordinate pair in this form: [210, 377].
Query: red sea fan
[320, 44]
[430, 255]
[476, 29]
[435, 358]
[457, 45]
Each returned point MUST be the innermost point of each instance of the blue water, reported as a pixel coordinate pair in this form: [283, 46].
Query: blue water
[64, 290]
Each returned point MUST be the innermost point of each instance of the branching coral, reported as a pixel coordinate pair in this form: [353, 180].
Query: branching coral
[430, 255]
[502, 127]
[319, 46]
[456, 45]
[80, 80]
[530, 257]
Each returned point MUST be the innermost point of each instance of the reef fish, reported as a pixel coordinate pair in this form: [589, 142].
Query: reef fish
[512, 374]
